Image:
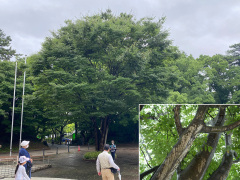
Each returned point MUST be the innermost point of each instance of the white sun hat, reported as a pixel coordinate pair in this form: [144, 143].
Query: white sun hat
[23, 159]
[24, 143]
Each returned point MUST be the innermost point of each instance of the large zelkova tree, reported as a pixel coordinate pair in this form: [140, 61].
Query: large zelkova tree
[189, 142]
[97, 69]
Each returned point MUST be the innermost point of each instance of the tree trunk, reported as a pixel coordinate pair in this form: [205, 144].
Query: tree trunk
[95, 134]
[104, 131]
[222, 171]
[181, 148]
[105, 140]
[83, 135]
[76, 130]
[61, 133]
[198, 166]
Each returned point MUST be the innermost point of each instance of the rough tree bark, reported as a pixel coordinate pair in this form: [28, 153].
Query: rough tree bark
[222, 171]
[181, 148]
[188, 135]
[198, 166]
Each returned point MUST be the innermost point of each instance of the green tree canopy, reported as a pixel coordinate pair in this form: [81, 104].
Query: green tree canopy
[6, 52]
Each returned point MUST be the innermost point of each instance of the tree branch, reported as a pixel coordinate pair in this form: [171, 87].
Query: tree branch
[177, 119]
[236, 161]
[218, 129]
[145, 158]
[142, 175]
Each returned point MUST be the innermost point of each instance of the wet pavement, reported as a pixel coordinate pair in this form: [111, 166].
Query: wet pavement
[72, 166]
[40, 178]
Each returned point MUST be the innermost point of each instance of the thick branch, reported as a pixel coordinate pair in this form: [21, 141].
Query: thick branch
[142, 175]
[181, 148]
[201, 161]
[218, 129]
[177, 119]
[223, 170]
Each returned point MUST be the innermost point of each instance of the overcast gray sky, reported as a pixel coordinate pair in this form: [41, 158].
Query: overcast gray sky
[197, 27]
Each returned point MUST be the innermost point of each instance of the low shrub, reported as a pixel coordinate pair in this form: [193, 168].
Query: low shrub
[92, 155]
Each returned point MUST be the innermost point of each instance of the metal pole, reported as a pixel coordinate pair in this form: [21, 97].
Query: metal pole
[13, 108]
[68, 147]
[24, 77]
[43, 155]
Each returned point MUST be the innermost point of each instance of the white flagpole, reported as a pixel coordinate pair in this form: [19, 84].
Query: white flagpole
[24, 77]
[13, 108]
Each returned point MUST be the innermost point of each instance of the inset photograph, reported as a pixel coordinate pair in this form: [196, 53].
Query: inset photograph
[181, 142]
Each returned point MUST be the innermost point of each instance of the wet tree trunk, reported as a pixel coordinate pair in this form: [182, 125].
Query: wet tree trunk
[198, 166]
[181, 148]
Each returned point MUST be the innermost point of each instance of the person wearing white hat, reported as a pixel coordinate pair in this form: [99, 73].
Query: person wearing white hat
[20, 172]
[24, 152]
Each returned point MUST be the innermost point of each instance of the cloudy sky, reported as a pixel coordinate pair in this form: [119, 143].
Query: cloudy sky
[196, 27]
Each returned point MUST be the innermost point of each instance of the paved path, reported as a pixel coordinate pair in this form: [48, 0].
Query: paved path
[8, 164]
[40, 178]
[72, 166]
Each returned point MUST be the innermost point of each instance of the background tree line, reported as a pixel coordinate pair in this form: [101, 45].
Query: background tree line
[94, 72]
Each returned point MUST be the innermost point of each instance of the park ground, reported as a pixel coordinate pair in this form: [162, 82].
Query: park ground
[71, 165]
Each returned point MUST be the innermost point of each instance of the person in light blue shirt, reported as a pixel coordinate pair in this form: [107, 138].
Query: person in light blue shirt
[113, 149]
[24, 152]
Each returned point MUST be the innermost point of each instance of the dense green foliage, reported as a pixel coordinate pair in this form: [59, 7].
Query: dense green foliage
[94, 72]
[158, 135]
[6, 52]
